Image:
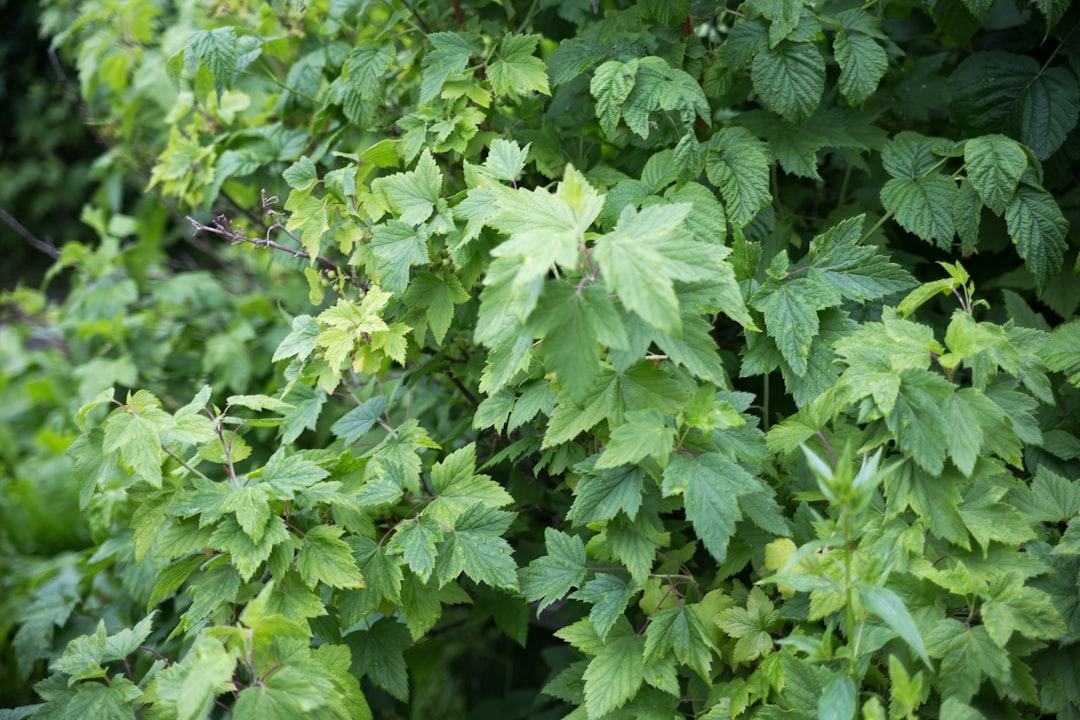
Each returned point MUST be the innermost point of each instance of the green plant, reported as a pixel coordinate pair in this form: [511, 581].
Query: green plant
[595, 288]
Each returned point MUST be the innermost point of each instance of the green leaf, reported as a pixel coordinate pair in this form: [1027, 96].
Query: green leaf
[324, 557]
[1015, 607]
[416, 541]
[615, 674]
[994, 166]
[750, 626]
[645, 433]
[611, 85]
[104, 702]
[967, 656]
[923, 206]
[288, 693]
[301, 175]
[217, 49]
[863, 63]
[310, 218]
[995, 90]
[790, 78]
[360, 419]
[839, 699]
[857, 272]
[377, 653]
[887, 605]
[210, 590]
[290, 475]
[448, 57]
[609, 594]
[634, 269]
[412, 195]
[790, 308]
[710, 485]
[600, 495]
[475, 547]
[307, 405]
[252, 508]
[300, 341]
[517, 72]
[247, 554]
[918, 421]
[572, 323]
[135, 433]
[679, 630]
[783, 16]
[1038, 230]
[397, 246]
[368, 63]
[737, 163]
[458, 487]
[1053, 11]
[204, 673]
[549, 578]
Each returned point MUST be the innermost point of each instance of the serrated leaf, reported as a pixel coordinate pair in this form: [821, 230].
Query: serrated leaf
[737, 163]
[863, 63]
[368, 63]
[458, 487]
[679, 630]
[923, 206]
[609, 594]
[571, 323]
[791, 319]
[324, 557]
[599, 496]
[994, 166]
[506, 159]
[396, 247]
[218, 50]
[416, 540]
[611, 85]
[449, 55]
[414, 194]
[615, 674]
[477, 548]
[783, 16]
[635, 270]
[1038, 230]
[301, 175]
[710, 485]
[996, 90]
[645, 433]
[858, 272]
[516, 72]
[104, 702]
[300, 341]
[550, 577]
[790, 78]
[193, 684]
[967, 656]
[360, 419]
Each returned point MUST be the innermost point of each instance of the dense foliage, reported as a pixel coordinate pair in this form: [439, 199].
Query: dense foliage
[595, 358]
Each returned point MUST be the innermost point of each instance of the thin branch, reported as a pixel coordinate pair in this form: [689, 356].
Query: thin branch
[224, 228]
[28, 236]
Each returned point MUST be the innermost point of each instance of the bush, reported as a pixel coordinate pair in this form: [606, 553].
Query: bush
[657, 359]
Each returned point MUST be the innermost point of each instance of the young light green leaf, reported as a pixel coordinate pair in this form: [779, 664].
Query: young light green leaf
[412, 195]
[517, 72]
[300, 341]
[397, 246]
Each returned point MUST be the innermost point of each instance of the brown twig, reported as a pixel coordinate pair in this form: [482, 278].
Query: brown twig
[28, 236]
